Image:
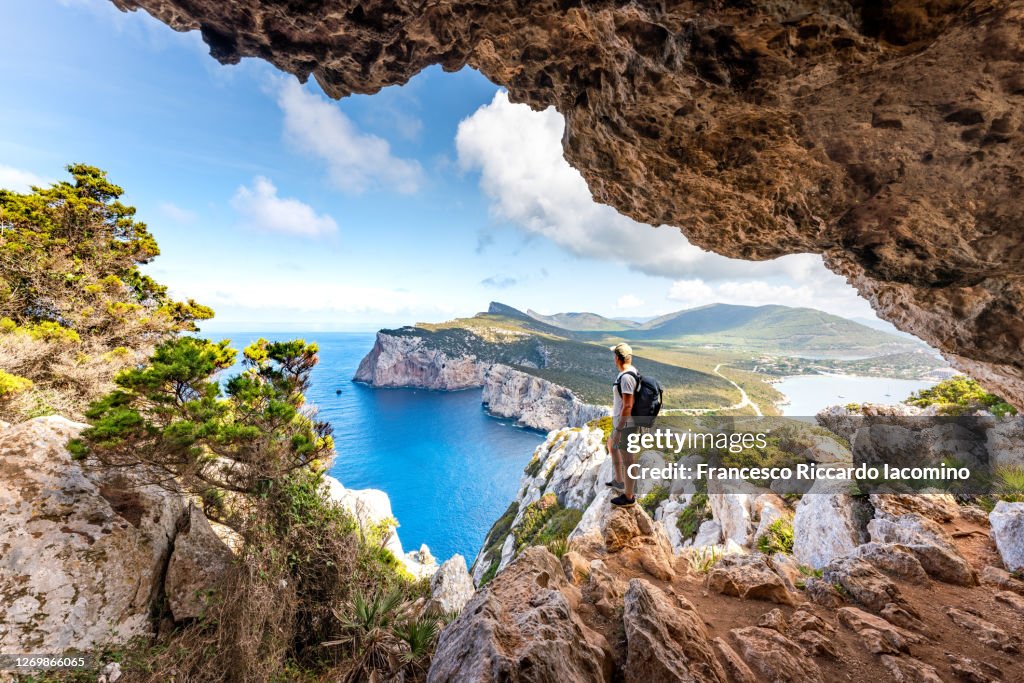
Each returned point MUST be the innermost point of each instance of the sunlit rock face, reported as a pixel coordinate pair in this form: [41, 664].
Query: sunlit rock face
[884, 135]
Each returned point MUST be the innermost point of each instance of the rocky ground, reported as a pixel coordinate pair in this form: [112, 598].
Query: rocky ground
[621, 606]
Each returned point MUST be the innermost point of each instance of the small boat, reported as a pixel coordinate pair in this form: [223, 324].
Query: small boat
[337, 392]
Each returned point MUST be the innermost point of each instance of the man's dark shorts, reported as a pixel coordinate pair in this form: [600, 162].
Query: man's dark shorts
[623, 441]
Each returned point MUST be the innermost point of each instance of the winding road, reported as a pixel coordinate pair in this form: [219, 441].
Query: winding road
[744, 399]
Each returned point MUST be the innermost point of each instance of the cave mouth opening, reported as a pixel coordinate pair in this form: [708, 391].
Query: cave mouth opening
[877, 134]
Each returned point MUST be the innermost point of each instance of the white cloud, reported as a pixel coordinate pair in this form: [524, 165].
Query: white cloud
[830, 296]
[177, 213]
[518, 153]
[356, 161]
[19, 180]
[629, 301]
[263, 210]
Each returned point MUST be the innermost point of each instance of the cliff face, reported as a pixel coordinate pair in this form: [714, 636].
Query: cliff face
[885, 136]
[535, 402]
[84, 555]
[406, 361]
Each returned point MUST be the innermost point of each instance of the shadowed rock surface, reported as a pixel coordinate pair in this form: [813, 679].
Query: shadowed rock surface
[885, 136]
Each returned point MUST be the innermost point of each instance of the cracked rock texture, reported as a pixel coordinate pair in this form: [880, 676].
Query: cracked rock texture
[885, 136]
[86, 555]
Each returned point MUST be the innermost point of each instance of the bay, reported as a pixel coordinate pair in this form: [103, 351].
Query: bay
[808, 394]
[449, 468]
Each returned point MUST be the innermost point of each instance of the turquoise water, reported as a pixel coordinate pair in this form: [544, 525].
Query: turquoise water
[449, 468]
[808, 394]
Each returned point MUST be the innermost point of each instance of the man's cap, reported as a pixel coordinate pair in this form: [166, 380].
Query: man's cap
[622, 348]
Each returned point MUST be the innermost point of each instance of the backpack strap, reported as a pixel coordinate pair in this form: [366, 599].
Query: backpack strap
[636, 375]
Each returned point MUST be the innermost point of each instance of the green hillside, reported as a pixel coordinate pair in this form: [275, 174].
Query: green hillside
[681, 349]
[769, 328]
[506, 335]
[583, 322]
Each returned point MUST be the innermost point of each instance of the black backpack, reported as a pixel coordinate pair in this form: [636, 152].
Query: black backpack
[647, 398]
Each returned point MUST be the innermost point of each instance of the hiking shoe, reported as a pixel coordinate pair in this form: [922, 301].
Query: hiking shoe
[623, 502]
[617, 485]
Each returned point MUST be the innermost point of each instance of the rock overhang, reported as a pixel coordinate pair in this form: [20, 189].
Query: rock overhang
[887, 137]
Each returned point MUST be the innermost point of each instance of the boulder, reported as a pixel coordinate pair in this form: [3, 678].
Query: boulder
[931, 545]
[709, 533]
[938, 507]
[1005, 442]
[985, 631]
[640, 541]
[878, 635]
[788, 569]
[198, 562]
[731, 506]
[973, 670]
[666, 639]
[451, 586]
[910, 670]
[1007, 520]
[862, 583]
[748, 577]
[522, 627]
[734, 666]
[768, 508]
[774, 657]
[82, 552]
[824, 527]
[773, 619]
[1012, 600]
[893, 559]
[1002, 579]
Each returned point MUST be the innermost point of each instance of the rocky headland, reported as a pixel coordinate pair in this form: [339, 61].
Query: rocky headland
[408, 361]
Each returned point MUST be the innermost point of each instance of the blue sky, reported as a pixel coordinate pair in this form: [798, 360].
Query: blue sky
[283, 209]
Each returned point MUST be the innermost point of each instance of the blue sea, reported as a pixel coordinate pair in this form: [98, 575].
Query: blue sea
[808, 394]
[449, 468]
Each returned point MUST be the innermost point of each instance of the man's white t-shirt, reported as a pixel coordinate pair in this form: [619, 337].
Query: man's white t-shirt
[627, 384]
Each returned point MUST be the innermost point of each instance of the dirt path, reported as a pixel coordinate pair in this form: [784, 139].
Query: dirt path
[744, 399]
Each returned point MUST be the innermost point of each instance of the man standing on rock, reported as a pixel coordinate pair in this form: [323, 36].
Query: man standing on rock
[622, 424]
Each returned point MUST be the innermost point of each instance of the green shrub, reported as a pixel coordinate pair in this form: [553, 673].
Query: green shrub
[532, 468]
[1009, 483]
[693, 515]
[12, 384]
[559, 547]
[778, 538]
[655, 497]
[960, 395]
[535, 516]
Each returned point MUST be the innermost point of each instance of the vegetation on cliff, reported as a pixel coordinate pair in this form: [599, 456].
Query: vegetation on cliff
[252, 452]
[84, 333]
[75, 308]
[960, 395]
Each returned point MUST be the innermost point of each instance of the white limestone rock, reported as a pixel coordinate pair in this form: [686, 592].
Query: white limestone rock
[370, 508]
[405, 361]
[825, 525]
[451, 587]
[1007, 520]
[732, 507]
[533, 401]
[81, 552]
